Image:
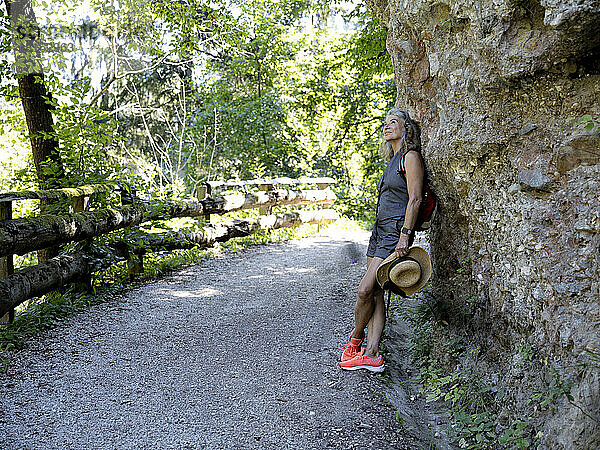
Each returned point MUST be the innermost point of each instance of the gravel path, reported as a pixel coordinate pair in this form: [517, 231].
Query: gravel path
[237, 352]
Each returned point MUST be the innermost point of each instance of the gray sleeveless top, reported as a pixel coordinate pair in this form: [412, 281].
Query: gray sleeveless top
[393, 192]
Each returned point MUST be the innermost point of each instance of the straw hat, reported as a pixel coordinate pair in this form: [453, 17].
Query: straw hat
[405, 276]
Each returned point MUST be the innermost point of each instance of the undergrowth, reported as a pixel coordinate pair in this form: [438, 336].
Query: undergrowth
[449, 375]
[454, 373]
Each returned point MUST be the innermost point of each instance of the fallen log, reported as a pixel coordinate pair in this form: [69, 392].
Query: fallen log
[20, 236]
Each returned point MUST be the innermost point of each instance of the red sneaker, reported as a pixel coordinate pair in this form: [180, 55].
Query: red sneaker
[352, 348]
[362, 361]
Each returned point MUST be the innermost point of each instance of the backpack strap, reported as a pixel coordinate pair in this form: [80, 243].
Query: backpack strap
[378, 198]
[387, 309]
[402, 166]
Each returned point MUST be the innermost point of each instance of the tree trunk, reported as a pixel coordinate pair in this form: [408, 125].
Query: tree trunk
[35, 100]
[48, 164]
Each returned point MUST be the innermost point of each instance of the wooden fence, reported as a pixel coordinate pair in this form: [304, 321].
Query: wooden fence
[23, 235]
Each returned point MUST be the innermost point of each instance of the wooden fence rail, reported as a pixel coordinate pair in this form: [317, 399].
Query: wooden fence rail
[20, 236]
[56, 194]
[213, 186]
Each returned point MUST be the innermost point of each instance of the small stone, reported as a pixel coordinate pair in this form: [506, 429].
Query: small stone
[535, 179]
[514, 188]
[408, 46]
[538, 294]
[583, 225]
[570, 67]
[434, 64]
[420, 72]
[577, 151]
[528, 128]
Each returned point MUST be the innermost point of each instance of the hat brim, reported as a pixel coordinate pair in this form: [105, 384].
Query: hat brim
[416, 253]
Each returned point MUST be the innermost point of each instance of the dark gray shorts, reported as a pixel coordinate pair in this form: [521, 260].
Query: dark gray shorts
[384, 237]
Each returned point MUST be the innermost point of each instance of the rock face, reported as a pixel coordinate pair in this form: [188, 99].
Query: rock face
[508, 95]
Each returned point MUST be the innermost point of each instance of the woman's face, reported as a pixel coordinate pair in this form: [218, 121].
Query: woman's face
[393, 129]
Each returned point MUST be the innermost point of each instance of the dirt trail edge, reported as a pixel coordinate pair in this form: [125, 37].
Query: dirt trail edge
[237, 352]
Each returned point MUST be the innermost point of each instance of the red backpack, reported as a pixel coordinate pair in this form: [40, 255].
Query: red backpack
[428, 205]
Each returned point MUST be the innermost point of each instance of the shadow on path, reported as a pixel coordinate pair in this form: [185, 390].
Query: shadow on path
[237, 352]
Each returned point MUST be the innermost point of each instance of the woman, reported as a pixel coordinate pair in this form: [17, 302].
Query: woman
[400, 194]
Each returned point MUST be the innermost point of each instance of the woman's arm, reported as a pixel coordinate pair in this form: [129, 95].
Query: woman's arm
[415, 173]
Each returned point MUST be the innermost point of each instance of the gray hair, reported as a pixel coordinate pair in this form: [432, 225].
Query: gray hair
[411, 138]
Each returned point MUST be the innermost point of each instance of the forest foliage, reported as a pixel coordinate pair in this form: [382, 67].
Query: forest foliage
[167, 95]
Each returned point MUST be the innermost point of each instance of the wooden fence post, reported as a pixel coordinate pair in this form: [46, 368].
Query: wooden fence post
[127, 196]
[7, 264]
[204, 191]
[135, 263]
[80, 204]
[265, 210]
[322, 186]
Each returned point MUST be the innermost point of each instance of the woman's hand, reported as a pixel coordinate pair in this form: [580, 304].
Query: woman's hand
[402, 246]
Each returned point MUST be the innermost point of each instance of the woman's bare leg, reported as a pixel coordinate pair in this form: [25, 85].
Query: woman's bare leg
[375, 325]
[366, 303]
